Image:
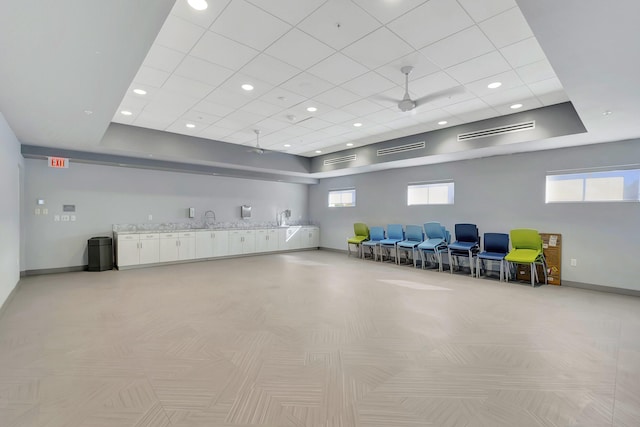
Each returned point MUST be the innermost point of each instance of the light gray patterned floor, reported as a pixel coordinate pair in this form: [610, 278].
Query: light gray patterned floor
[314, 339]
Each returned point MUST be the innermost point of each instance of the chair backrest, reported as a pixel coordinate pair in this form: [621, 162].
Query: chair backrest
[526, 238]
[414, 233]
[496, 242]
[376, 233]
[467, 233]
[394, 231]
[361, 229]
[434, 230]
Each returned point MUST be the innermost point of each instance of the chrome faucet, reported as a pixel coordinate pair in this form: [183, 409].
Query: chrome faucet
[208, 215]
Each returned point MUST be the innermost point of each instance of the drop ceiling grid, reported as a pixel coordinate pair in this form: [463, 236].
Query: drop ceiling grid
[194, 70]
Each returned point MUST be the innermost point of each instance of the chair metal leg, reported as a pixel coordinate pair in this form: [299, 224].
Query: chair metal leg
[471, 263]
[534, 274]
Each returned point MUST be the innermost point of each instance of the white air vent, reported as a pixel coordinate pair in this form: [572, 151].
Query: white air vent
[518, 127]
[342, 159]
[401, 148]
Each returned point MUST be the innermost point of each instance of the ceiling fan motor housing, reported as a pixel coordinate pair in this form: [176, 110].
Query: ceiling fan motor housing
[406, 105]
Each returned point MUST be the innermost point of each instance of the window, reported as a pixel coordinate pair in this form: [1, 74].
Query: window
[342, 198]
[433, 193]
[599, 186]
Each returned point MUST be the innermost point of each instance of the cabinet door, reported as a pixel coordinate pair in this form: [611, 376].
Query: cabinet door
[272, 240]
[169, 247]
[149, 249]
[236, 238]
[187, 246]
[128, 251]
[220, 243]
[204, 244]
[262, 240]
[249, 242]
[291, 238]
[314, 237]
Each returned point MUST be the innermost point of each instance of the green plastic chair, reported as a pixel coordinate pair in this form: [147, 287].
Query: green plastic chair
[361, 234]
[527, 249]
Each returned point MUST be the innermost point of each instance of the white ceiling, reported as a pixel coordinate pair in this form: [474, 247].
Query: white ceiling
[342, 57]
[67, 69]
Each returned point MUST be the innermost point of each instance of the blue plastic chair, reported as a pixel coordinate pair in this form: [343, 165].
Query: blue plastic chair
[413, 238]
[395, 235]
[496, 247]
[437, 241]
[376, 234]
[467, 244]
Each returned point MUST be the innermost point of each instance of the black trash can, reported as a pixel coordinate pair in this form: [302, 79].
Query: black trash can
[100, 254]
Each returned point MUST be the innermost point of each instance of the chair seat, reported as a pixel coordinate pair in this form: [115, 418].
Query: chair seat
[463, 246]
[390, 241]
[356, 240]
[371, 243]
[523, 256]
[495, 256]
[408, 244]
[432, 244]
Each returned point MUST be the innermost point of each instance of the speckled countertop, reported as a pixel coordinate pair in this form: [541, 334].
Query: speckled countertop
[199, 226]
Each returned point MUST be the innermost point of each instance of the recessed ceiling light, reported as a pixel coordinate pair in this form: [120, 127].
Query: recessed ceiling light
[126, 113]
[190, 125]
[287, 145]
[140, 91]
[516, 106]
[312, 109]
[357, 124]
[349, 144]
[442, 122]
[247, 87]
[494, 85]
[318, 151]
[198, 4]
[607, 113]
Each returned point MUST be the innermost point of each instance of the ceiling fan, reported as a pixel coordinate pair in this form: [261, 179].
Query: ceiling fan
[257, 149]
[407, 104]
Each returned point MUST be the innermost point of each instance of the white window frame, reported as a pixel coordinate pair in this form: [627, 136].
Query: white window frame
[589, 184]
[431, 187]
[349, 192]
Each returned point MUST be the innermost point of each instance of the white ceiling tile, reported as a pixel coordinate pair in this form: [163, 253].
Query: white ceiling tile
[163, 58]
[506, 28]
[269, 69]
[235, 82]
[378, 48]
[314, 123]
[287, 10]
[483, 9]
[233, 124]
[171, 101]
[385, 10]
[445, 97]
[245, 117]
[337, 116]
[213, 109]
[431, 84]
[478, 68]
[385, 115]
[270, 124]
[335, 130]
[510, 96]
[362, 108]
[368, 84]
[214, 132]
[258, 106]
[220, 50]
[180, 126]
[299, 49]
[151, 77]
[460, 47]
[523, 52]
[306, 85]
[473, 116]
[421, 67]
[527, 104]
[536, 72]
[178, 34]
[431, 22]
[228, 98]
[132, 103]
[282, 98]
[337, 69]
[249, 25]
[155, 120]
[124, 120]
[189, 87]
[202, 18]
[338, 23]
[431, 116]
[203, 71]
[552, 98]
[470, 105]
[194, 116]
[508, 79]
[389, 98]
[337, 97]
[546, 86]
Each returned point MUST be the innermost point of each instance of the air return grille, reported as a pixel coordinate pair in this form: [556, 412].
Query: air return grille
[518, 127]
[342, 159]
[401, 148]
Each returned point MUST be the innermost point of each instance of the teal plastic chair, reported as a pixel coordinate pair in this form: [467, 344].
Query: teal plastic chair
[437, 240]
[361, 235]
[395, 235]
[526, 246]
[413, 237]
[376, 234]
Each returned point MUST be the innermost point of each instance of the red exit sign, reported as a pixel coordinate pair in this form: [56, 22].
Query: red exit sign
[58, 162]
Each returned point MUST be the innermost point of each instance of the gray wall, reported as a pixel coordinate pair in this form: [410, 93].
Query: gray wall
[498, 194]
[105, 195]
[11, 167]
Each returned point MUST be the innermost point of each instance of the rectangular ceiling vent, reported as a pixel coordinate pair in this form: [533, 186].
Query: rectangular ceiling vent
[518, 127]
[343, 159]
[401, 148]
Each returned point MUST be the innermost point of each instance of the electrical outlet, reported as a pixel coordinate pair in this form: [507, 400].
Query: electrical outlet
[574, 262]
[45, 211]
[37, 211]
[56, 218]
[73, 217]
[150, 217]
[64, 217]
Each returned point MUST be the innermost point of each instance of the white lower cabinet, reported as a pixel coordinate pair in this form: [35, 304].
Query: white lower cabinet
[134, 249]
[266, 240]
[289, 238]
[187, 245]
[210, 243]
[309, 237]
[179, 246]
[242, 242]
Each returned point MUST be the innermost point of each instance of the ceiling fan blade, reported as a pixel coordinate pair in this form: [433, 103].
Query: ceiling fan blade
[446, 93]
